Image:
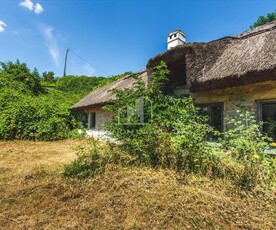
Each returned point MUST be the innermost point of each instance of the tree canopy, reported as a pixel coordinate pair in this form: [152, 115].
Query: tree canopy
[30, 109]
[264, 19]
[19, 72]
[48, 76]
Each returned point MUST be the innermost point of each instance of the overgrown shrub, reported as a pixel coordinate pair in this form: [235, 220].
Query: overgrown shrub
[247, 144]
[94, 158]
[172, 134]
[36, 118]
[29, 112]
[245, 139]
[173, 131]
[78, 84]
[21, 74]
[271, 129]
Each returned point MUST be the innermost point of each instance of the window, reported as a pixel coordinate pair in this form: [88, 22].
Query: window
[214, 112]
[92, 124]
[267, 114]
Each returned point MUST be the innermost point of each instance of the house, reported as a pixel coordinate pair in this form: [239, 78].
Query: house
[91, 106]
[215, 73]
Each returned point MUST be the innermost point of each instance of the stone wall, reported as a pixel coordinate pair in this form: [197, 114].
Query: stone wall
[102, 116]
[230, 97]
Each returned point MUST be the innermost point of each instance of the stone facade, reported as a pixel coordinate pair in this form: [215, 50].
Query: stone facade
[102, 116]
[250, 95]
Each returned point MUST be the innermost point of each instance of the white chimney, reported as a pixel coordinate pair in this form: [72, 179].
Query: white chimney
[176, 38]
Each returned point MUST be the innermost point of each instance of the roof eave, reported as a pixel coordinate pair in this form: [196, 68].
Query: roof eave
[80, 108]
[251, 77]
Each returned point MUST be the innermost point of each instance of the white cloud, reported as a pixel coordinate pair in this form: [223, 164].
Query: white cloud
[54, 53]
[28, 4]
[2, 26]
[48, 32]
[38, 9]
[51, 43]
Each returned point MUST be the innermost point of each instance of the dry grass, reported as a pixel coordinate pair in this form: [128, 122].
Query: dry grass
[35, 195]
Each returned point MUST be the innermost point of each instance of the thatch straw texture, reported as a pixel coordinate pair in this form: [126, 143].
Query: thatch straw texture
[101, 96]
[231, 61]
[247, 58]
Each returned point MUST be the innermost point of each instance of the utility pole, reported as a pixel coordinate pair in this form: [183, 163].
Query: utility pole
[65, 62]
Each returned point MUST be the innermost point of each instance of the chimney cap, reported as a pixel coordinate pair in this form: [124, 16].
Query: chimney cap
[175, 38]
[177, 31]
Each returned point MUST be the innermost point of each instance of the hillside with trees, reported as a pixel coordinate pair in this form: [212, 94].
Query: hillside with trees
[37, 107]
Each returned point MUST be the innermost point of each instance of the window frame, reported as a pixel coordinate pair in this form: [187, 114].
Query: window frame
[209, 105]
[92, 119]
[260, 109]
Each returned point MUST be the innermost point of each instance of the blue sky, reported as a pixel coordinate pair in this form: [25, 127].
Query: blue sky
[114, 35]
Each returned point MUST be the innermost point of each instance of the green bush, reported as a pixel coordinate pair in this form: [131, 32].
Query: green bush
[78, 133]
[29, 112]
[36, 118]
[94, 158]
[245, 139]
[271, 129]
[246, 144]
[38, 108]
[19, 73]
[174, 135]
[81, 85]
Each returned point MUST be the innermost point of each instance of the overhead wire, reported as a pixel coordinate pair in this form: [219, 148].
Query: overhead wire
[88, 62]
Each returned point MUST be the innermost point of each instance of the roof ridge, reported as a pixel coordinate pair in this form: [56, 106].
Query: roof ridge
[250, 34]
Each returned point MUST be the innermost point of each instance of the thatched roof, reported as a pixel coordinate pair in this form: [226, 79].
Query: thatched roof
[101, 96]
[231, 61]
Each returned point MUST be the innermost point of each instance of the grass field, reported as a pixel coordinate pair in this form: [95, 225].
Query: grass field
[35, 195]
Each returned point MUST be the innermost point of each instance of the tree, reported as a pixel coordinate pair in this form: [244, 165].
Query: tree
[48, 76]
[264, 19]
[21, 73]
[78, 84]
